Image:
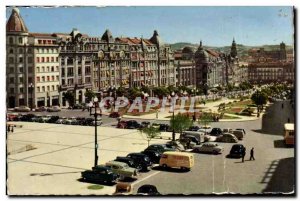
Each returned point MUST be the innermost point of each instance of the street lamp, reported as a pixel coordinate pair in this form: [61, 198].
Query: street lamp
[31, 87]
[96, 113]
[173, 131]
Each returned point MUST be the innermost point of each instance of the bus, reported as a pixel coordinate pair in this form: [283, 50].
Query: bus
[289, 134]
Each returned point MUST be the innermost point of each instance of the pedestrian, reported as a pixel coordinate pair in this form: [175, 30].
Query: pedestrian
[282, 105]
[243, 154]
[194, 118]
[252, 154]
[289, 120]
[204, 103]
[188, 144]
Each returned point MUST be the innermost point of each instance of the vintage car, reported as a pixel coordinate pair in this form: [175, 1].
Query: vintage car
[213, 148]
[237, 151]
[227, 137]
[22, 109]
[122, 169]
[100, 174]
[54, 109]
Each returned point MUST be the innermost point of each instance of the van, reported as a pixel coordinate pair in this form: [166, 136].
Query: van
[174, 159]
[238, 134]
[289, 134]
[196, 134]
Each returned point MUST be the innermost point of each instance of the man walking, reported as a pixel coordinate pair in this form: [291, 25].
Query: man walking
[243, 154]
[252, 154]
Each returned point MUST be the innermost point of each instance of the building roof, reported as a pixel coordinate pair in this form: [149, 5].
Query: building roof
[212, 53]
[134, 41]
[107, 36]
[188, 50]
[156, 39]
[42, 35]
[15, 22]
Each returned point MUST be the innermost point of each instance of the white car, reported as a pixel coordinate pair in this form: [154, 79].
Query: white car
[54, 109]
[22, 109]
[213, 148]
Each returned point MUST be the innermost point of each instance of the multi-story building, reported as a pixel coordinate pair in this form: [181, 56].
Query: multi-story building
[186, 70]
[271, 66]
[32, 65]
[105, 62]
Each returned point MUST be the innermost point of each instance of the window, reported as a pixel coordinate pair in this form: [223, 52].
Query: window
[43, 78]
[48, 88]
[30, 69]
[43, 59]
[21, 79]
[47, 59]
[21, 69]
[48, 78]
[11, 80]
[56, 59]
[40, 41]
[43, 69]
[20, 40]
[12, 90]
[38, 89]
[38, 59]
[21, 51]
[11, 51]
[52, 68]
[57, 78]
[52, 78]
[38, 79]
[52, 59]
[48, 68]
[30, 80]
[11, 40]
[30, 60]
[11, 60]
[21, 89]
[53, 88]
[38, 69]
[29, 50]
[43, 88]
[20, 59]
[56, 68]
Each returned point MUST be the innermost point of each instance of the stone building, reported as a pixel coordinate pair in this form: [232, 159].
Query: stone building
[32, 73]
[186, 70]
[271, 66]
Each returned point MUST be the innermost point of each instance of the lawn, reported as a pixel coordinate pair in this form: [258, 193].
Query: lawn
[230, 117]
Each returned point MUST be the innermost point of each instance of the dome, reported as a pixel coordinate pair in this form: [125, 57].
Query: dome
[188, 50]
[15, 22]
[201, 53]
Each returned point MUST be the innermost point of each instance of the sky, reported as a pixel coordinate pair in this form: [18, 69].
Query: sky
[215, 26]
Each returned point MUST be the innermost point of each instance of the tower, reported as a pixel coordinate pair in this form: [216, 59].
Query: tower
[233, 52]
[282, 51]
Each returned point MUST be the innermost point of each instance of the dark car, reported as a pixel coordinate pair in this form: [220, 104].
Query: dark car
[141, 161]
[194, 128]
[114, 115]
[27, 117]
[237, 150]
[145, 124]
[216, 131]
[153, 155]
[128, 161]
[87, 121]
[78, 106]
[160, 148]
[164, 127]
[53, 119]
[147, 189]
[101, 174]
[132, 124]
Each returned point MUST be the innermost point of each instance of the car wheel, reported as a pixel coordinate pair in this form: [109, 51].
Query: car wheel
[164, 166]
[139, 167]
[215, 152]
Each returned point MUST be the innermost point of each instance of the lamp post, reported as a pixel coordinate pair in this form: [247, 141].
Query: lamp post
[173, 116]
[31, 86]
[95, 105]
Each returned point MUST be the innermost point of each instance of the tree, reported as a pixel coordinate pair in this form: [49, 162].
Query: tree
[150, 133]
[259, 98]
[90, 95]
[205, 119]
[180, 123]
[70, 97]
[121, 91]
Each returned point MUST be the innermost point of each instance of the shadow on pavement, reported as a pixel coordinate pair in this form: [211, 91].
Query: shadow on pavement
[168, 169]
[281, 144]
[51, 174]
[93, 182]
[280, 176]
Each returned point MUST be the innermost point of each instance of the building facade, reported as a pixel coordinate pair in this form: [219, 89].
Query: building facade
[271, 66]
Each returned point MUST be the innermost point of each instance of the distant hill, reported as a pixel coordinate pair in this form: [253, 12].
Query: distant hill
[242, 49]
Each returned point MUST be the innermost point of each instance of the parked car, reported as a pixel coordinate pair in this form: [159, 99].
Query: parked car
[145, 124]
[155, 125]
[27, 117]
[237, 150]
[194, 128]
[241, 129]
[61, 120]
[227, 137]
[164, 127]
[205, 129]
[22, 109]
[99, 122]
[239, 134]
[114, 115]
[213, 148]
[36, 118]
[180, 160]
[54, 109]
[87, 121]
[44, 119]
[99, 174]
[159, 148]
[122, 124]
[192, 139]
[128, 161]
[77, 106]
[147, 190]
[122, 169]
[12, 116]
[142, 161]
[41, 109]
[69, 121]
[132, 124]
[227, 130]
[53, 119]
[216, 132]
[153, 155]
